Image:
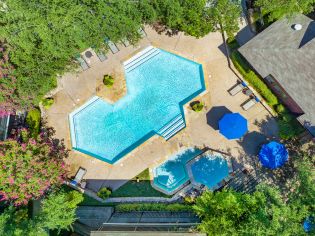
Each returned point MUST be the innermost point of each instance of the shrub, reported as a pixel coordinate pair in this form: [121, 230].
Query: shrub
[198, 106]
[232, 43]
[33, 122]
[281, 109]
[47, 102]
[108, 81]
[189, 200]
[152, 207]
[104, 193]
[289, 127]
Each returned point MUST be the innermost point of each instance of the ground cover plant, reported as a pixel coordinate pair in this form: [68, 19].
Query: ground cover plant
[139, 186]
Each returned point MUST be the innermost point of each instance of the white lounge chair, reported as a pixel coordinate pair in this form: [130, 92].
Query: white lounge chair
[78, 176]
[101, 56]
[249, 103]
[82, 62]
[125, 42]
[237, 88]
[112, 46]
[142, 32]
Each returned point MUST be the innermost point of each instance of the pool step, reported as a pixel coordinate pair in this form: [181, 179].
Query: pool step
[136, 61]
[170, 124]
[171, 128]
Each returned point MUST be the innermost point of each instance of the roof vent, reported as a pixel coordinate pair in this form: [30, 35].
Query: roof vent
[297, 27]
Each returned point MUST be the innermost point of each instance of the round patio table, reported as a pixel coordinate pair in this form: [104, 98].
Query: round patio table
[88, 54]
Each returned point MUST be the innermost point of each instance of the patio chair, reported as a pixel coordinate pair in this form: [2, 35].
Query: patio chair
[249, 103]
[125, 42]
[142, 32]
[111, 46]
[82, 62]
[237, 88]
[101, 56]
[78, 176]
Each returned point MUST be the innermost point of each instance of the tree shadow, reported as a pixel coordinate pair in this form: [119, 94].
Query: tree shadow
[268, 127]
[163, 29]
[251, 142]
[222, 49]
[244, 35]
[215, 114]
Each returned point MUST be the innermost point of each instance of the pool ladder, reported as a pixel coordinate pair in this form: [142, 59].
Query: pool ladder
[172, 127]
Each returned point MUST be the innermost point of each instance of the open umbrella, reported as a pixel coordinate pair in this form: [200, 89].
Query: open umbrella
[273, 155]
[233, 125]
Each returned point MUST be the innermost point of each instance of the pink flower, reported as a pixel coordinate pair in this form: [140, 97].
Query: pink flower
[11, 180]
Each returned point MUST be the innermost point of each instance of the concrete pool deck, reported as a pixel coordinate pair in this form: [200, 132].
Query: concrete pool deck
[76, 88]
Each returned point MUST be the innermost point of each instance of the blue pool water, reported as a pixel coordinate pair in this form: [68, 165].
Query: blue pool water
[210, 170]
[172, 174]
[157, 88]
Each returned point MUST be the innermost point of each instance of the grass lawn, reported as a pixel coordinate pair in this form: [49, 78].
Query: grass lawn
[141, 189]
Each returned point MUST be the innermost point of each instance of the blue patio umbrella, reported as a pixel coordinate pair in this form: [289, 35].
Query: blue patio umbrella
[233, 125]
[309, 224]
[273, 155]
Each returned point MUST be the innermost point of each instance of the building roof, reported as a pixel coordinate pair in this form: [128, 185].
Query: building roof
[289, 56]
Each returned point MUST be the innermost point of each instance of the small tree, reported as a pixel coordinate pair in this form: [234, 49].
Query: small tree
[58, 210]
[224, 15]
[57, 213]
[29, 167]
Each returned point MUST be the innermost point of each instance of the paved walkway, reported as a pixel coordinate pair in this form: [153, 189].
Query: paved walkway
[201, 128]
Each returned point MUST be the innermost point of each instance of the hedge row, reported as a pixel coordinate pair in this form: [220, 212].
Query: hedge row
[253, 79]
[152, 207]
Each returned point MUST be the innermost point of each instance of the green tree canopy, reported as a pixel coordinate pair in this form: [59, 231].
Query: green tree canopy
[58, 210]
[57, 213]
[278, 8]
[43, 37]
[267, 211]
[224, 16]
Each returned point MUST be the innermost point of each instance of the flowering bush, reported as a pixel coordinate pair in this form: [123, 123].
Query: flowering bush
[8, 97]
[29, 167]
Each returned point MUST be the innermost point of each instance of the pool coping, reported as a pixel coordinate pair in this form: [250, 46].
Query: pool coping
[180, 187]
[150, 134]
[191, 181]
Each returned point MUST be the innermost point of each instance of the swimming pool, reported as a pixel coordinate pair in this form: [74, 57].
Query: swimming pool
[159, 83]
[209, 170]
[172, 174]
